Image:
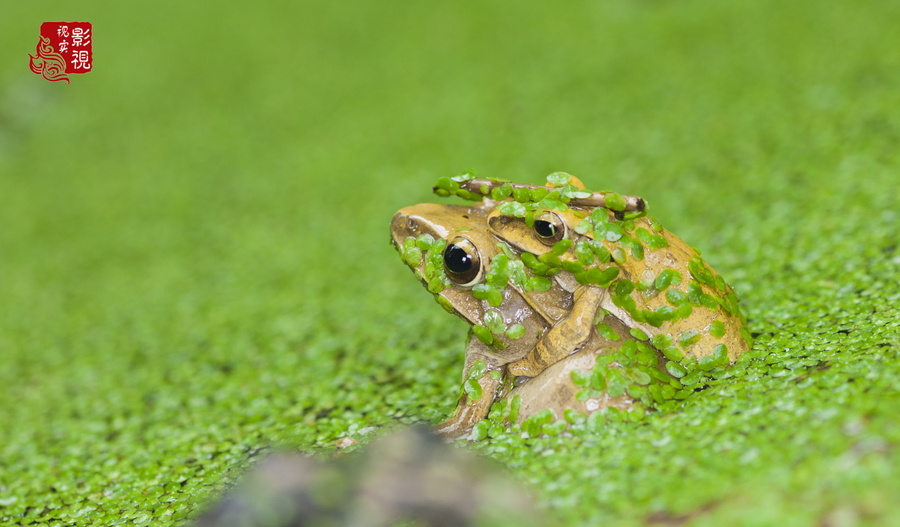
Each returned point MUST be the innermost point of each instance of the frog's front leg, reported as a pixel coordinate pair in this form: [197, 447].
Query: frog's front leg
[565, 337]
[470, 410]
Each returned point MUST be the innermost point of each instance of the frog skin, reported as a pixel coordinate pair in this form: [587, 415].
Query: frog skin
[546, 295]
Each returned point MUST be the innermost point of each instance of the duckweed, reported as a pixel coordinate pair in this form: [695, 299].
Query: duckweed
[515, 331]
[639, 334]
[717, 329]
[615, 201]
[607, 332]
[666, 278]
[172, 306]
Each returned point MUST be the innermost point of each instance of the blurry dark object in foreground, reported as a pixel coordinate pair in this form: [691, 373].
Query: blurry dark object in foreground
[407, 476]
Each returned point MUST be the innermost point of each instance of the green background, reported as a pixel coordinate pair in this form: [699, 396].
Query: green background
[194, 257]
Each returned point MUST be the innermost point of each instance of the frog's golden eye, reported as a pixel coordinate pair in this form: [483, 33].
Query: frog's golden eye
[462, 262]
[550, 228]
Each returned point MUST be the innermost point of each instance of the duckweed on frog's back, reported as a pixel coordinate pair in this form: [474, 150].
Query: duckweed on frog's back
[580, 304]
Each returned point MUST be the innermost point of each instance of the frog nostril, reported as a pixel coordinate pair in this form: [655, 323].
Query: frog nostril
[400, 225]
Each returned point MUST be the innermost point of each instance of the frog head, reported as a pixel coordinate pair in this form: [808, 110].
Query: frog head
[475, 275]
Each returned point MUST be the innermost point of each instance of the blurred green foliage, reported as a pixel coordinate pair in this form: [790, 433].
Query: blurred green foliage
[194, 262]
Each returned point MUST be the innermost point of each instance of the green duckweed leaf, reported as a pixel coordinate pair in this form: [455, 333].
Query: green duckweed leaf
[539, 283]
[556, 428]
[515, 331]
[666, 278]
[602, 277]
[425, 241]
[720, 352]
[720, 283]
[580, 377]
[506, 250]
[708, 301]
[511, 208]
[707, 362]
[481, 428]
[444, 303]
[534, 424]
[639, 334]
[717, 329]
[473, 389]
[615, 202]
[675, 369]
[643, 234]
[622, 288]
[599, 215]
[584, 227]
[538, 194]
[658, 242]
[637, 252]
[600, 250]
[559, 179]
[584, 253]
[529, 260]
[666, 313]
[609, 231]
[661, 341]
[483, 334]
[477, 370]
[482, 291]
[694, 292]
[572, 266]
[635, 391]
[676, 297]
[689, 338]
[573, 416]
[641, 378]
[436, 285]
[495, 298]
[445, 183]
[522, 195]
[514, 408]
[672, 353]
[615, 388]
[501, 192]
[606, 331]
[494, 322]
[560, 247]
[550, 260]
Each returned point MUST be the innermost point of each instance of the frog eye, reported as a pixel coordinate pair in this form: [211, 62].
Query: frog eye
[462, 262]
[550, 228]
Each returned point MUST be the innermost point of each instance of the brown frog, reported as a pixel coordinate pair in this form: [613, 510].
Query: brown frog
[577, 300]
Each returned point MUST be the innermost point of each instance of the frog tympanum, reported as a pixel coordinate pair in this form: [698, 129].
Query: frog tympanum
[578, 301]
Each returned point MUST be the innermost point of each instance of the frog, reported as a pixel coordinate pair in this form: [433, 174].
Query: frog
[577, 301]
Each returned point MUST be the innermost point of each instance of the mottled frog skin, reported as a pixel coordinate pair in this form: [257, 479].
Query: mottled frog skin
[578, 301]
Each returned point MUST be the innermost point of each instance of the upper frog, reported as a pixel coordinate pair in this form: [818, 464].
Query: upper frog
[563, 286]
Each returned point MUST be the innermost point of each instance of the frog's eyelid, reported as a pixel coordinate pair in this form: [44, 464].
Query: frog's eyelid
[475, 257]
[562, 230]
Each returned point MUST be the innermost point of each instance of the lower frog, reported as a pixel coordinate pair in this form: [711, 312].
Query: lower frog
[578, 301]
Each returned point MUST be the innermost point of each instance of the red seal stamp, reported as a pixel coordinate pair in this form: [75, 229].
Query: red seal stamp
[63, 49]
